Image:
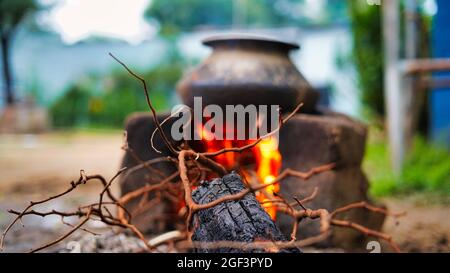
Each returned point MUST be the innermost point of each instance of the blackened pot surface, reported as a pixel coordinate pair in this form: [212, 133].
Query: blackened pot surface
[248, 70]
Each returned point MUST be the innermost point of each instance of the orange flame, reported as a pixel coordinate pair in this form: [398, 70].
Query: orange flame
[268, 160]
[265, 155]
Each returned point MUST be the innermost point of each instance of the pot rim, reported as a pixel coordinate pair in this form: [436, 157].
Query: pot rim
[236, 37]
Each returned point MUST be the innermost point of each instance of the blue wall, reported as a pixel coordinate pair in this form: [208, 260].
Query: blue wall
[440, 98]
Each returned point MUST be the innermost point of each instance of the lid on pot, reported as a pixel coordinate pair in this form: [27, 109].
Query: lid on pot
[233, 38]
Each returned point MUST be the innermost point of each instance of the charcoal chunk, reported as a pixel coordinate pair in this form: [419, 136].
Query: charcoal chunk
[242, 220]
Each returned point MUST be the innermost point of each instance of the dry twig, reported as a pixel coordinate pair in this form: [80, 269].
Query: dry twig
[193, 164]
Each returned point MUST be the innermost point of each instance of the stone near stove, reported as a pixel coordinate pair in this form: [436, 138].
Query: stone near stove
[309, 141]
[139, 128]
[232, 75]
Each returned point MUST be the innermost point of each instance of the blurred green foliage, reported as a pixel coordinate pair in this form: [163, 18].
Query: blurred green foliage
[185, 15]
[368, 53]
[72, 108]
[12, 12]
[106, 102]
[426, 169]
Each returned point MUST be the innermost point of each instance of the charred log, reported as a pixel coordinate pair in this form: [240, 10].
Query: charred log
[242, 220]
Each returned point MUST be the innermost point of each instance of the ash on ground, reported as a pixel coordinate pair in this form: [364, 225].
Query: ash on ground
[109, 242]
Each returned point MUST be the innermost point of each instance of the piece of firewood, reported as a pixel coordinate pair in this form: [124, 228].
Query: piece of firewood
[243, 220]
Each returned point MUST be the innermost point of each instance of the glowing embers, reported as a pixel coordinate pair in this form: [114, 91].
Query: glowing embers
[260, 164]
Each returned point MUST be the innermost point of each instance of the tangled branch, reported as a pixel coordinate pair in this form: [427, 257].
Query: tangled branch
[192, 168]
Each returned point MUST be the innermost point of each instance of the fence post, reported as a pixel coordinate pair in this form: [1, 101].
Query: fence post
[392, 83]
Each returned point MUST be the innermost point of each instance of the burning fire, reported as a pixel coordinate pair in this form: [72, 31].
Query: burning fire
[265, 157]
[268, 162]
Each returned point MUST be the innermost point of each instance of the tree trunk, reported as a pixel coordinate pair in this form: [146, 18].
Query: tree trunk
[243, 220]
[5, 44]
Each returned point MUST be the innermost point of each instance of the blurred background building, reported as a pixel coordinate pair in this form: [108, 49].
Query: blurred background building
[440, 97]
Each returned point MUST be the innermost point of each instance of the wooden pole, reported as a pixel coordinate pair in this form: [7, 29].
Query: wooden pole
[411, 27]
[392, 83]
[412, 100]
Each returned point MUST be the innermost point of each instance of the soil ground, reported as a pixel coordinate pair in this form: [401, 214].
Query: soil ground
[35, 166]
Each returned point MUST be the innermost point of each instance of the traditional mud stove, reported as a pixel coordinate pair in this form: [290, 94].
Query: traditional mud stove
[247, 70]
